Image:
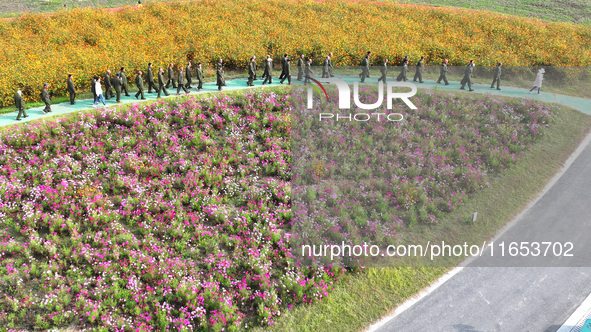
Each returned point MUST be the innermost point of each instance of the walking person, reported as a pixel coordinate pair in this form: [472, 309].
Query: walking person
[268, 71]
[265, 71]
[286, 70]
[282, 75]
[538, 81]
[308, 71]
[384, 71]
[180, 84]
[124, 82]
[108, 91]
[151, 83]
[188, 75]
[301, 66]
[419, 71]
[161, 86]
[403, 71]
[92, 87]
[170, 76]
[365, 67]
[139, 83]
[200, 76]
[497, 77]
[99, 92]
[20, 105]
[117, 86]
[71, 89]
[468, 76]
[325, 66]
[251, 71]
[221, 81]
[45, 98]
[443, 73]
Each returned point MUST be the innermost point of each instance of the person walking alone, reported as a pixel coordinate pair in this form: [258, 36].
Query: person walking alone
[71, 89]
[538, 81]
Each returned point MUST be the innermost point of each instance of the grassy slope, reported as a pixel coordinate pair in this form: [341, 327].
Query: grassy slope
[576, 11]
[372, 293]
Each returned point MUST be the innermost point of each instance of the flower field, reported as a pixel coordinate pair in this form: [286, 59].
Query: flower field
[84, 42]
[161, 217]
[373, 181]
[178, 215]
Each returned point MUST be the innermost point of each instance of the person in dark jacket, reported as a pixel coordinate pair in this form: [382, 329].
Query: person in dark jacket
[139, 83]
[221, 81]
[403, 71]
[443, 73]
[497, 77]
[468, 76]
[188, 75]
[45, 98]
[200, 76]
[71, 89]
[108, 86]
[93, 88]
[161, 86]
[180, 84]
[384, 71]
[151, 83]
[301, 67]
[124, 82]
[251, 71]
[20, 105]
[286, 70]
[170, 76]
[117, 84]
[308, 71]
[419, 71]
[268, 71]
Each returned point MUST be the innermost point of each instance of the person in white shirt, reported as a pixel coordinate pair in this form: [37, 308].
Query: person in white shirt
[538, 81]
[99, 92]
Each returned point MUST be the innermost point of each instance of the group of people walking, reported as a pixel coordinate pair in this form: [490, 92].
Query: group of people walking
[115, 86]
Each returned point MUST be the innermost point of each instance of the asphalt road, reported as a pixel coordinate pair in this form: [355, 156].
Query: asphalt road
[504, 294]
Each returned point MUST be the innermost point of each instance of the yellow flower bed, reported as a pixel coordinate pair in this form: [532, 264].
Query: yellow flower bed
[84, 42]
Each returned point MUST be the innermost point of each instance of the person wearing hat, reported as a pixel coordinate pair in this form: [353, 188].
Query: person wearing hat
[497, 77]
[117, 86]
[124, 82]
[468, 76]
[139, 83]
[189, 75]
[99, 91]
[71, 89]
[403, 71]
[200, 76]
[251, 71]
[161, 86]
[419, 71]
[308, 71]
[365, 67]
[384, 71]
[180, 84]
[151, 83]
[538, 81]
[443, 73]
[301, 66]
[45, 98]
[170, 76]
[20, 105]
[286, 70]
[108, 91]
[221, 81]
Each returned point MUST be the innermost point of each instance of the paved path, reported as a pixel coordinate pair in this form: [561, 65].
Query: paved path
[580, 104]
